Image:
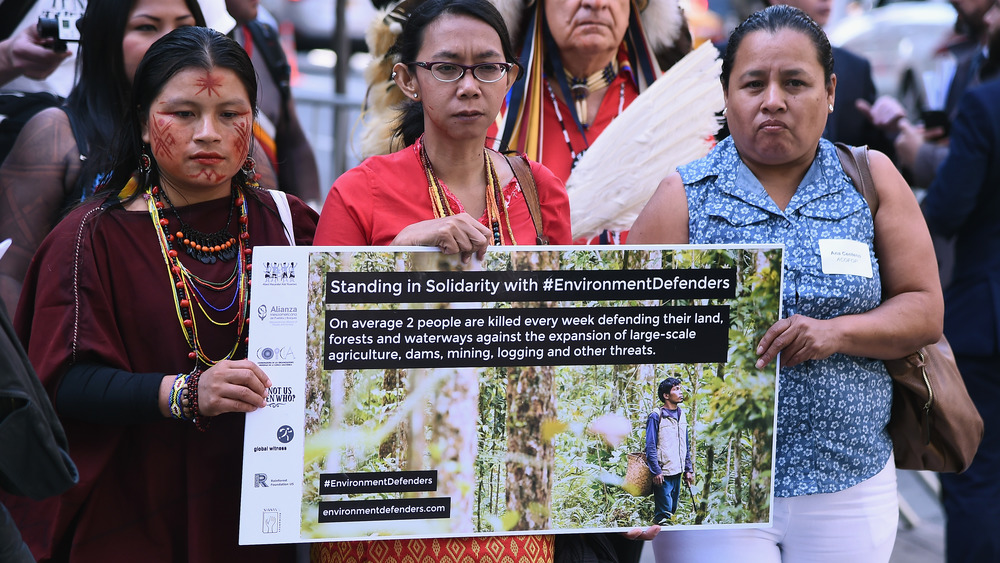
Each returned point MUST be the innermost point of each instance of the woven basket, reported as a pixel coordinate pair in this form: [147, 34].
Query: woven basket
[638, 479]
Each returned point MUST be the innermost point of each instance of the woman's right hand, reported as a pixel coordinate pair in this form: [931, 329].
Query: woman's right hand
[232, 386]
[453, 234]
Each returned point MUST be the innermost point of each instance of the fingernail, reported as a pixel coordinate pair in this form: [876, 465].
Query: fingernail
[760, 350]
[759, 364]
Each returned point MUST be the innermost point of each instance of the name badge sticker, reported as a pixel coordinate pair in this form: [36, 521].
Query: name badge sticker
[846, 257]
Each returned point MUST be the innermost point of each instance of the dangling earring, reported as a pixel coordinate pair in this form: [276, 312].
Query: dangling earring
[145, 165]
[724, 110]
[249, 170]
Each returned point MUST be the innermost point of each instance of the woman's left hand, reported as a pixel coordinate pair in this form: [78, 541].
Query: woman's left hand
[232, 386]
[799, 338]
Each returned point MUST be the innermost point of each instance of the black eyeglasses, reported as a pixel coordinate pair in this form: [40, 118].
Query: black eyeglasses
[450, 72]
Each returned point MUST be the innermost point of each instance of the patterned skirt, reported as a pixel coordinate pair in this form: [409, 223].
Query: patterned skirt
[493, 549]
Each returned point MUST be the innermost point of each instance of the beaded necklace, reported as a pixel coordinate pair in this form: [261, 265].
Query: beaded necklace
[206, 247]
[581, 88]
[494, 197]
[555, 105]
[186, 284]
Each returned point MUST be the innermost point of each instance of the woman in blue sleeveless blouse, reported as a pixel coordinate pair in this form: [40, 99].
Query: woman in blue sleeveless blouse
[776, 181]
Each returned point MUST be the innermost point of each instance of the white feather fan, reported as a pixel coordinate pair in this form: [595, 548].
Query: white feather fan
[670, 124]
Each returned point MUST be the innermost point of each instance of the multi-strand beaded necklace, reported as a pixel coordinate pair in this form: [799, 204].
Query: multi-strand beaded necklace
[494, 197]
[189, 289]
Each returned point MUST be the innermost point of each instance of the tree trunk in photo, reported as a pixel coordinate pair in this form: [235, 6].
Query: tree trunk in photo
[452, 417]
[702, 511]
[758, 488]
[737, 468]
[530, 402]
[393, 446]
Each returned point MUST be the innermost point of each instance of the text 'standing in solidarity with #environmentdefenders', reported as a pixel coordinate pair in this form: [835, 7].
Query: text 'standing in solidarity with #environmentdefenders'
[527, 318]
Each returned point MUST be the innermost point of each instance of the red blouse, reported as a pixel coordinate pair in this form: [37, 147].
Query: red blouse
[369, 204]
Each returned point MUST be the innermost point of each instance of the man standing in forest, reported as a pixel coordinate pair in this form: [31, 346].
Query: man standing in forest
[667, 450]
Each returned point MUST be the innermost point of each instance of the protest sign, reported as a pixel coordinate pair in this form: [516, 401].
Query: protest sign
[414, 395]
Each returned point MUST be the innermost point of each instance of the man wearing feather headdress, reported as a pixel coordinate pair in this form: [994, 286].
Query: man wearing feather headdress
[586, 60]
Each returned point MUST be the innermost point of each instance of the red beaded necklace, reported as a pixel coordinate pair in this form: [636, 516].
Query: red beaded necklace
[186, 284]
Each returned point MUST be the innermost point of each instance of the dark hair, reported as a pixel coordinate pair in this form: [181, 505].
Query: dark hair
[181, 49]
[411, 123]
[773, 19]
[666, 386]
[101, 95]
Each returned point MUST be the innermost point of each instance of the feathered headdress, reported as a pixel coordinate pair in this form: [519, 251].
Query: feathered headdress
[380, 114]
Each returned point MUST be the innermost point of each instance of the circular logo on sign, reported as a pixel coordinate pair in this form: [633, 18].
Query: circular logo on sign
[285, 434]
[266, 353]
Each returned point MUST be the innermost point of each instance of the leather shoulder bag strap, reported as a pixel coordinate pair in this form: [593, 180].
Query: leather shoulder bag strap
[854, 161]
[522, 171]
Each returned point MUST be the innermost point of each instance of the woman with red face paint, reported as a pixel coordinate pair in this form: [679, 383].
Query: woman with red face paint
[135, 316]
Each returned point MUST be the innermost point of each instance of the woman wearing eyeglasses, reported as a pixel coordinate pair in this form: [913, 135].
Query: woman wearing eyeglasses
[444, 188]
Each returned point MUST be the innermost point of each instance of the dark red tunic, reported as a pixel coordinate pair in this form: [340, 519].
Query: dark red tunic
[98, 291]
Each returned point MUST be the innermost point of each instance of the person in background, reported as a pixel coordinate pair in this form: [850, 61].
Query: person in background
[278, 131]
[63, 152]
[962, 205]
[775, 180]
[668, 451]
[28, 54]
[919, 150]
[154, 418]
[25, 56]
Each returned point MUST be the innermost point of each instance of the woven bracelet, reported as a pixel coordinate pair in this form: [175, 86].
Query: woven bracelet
[174, 401]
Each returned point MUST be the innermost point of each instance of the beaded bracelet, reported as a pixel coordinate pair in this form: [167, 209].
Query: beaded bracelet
[200, 422]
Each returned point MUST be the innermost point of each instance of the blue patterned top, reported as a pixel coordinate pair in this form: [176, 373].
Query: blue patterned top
[831, 413]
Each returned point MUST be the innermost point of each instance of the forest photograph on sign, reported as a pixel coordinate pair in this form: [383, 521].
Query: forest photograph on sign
[511, 395]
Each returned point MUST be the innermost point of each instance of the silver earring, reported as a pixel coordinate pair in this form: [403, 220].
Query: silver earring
[724, 110]
[415, 95]
[831, 108]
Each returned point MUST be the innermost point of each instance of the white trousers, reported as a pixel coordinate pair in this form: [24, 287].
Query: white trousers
[856, 525]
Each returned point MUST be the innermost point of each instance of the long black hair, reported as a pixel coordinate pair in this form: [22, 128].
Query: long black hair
[181, 49]
[411, 124]
[773, 19]
[100, 97]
